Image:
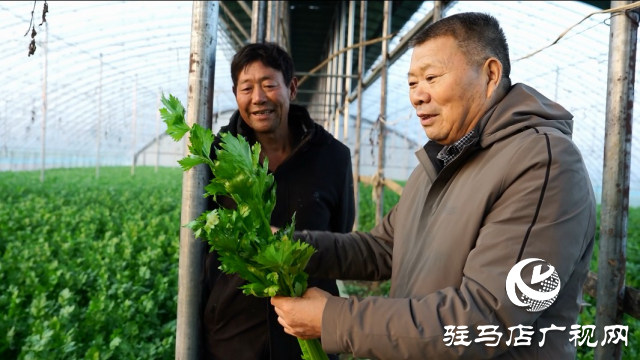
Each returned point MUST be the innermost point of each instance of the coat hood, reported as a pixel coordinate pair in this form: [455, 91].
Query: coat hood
[523, 107]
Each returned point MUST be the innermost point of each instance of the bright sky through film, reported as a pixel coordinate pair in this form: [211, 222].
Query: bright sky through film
[151, 40]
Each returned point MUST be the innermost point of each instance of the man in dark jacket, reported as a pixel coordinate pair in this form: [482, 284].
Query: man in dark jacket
[313, 174]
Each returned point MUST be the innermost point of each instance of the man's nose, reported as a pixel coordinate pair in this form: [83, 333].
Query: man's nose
[258, 96]
[420, 95]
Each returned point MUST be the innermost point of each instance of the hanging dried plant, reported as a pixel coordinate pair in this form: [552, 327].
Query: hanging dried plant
[32, 28]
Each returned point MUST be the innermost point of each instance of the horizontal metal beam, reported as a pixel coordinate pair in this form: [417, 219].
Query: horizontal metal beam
[326, 75]
[310, 104]
[303, 91]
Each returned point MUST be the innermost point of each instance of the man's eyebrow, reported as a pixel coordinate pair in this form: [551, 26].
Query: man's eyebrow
[266, 77]
[421, 68]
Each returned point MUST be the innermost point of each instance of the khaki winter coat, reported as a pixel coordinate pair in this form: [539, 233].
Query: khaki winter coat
[519, 191]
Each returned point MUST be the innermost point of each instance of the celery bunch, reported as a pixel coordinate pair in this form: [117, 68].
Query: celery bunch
[272, 264]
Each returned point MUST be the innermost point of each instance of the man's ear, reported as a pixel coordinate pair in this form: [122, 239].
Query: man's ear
[493, 73]
[293, 88]
[234, 90]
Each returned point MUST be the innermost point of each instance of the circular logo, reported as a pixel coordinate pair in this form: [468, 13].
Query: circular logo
[543, 290]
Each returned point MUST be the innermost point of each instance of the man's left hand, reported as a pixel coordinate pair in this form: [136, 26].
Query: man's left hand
[302, 316]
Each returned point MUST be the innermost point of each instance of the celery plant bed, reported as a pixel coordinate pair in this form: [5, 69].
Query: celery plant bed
[271, 264]
[88, 268]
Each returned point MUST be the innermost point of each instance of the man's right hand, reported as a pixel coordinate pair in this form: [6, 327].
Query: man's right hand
[274, 229]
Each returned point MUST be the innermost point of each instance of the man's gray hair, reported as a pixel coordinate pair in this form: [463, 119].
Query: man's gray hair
[479, 37]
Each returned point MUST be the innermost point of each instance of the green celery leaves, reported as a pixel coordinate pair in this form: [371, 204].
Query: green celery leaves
[272, 264]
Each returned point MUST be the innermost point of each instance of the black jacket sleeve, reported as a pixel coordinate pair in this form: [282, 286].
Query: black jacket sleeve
[343, 216]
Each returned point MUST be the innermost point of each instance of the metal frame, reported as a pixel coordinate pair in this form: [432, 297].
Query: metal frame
[133, 128]
[99, 126]
[199, 110]
[235, 21]
[43, 136]
[340, 81]
[258, 21]
[358, 130]
[615, 176]
[384, 69]
[349, 65]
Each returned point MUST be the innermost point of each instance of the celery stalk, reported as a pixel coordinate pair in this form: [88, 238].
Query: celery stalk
[312, 350]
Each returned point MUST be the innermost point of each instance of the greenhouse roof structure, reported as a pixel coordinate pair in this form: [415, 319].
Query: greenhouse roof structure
[102, 83]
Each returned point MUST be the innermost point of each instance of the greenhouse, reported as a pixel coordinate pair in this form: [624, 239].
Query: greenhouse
[93, 247]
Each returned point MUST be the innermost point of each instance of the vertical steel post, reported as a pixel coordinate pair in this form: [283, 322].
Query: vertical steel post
[349, 80]
[557, 82]
[6, 131]
[334, 70]
[99, 127]
[157, 131]
[133, 128]
[437, 11]
[615, 178]
[258, 21]
[379, 185]
[340, 80]
[44, 101]
[269, 35]
[356, 151]
[276, 22]
[199, 110]
[327, 81]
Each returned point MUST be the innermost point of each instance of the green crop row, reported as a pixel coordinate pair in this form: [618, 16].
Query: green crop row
[89, 268]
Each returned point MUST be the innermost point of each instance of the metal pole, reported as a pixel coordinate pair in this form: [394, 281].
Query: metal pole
[133, 129]
[268, 36]
[327, 85]
[286, 25]
[557, 80]
[99, 122]
[44, 101]
[350, 35]
[258, 21]
[379, 186]
[276, 22]
[158, 132]
[356, 151]
[6, 128]
[615, 179]
[333, 71]
[199, 110]
[340, 81]
[437, 10]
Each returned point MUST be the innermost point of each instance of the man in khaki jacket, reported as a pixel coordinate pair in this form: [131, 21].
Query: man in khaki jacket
[499, 183]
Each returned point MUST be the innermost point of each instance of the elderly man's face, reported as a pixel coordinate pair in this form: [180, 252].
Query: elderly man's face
[263, 98]
[449, 95]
